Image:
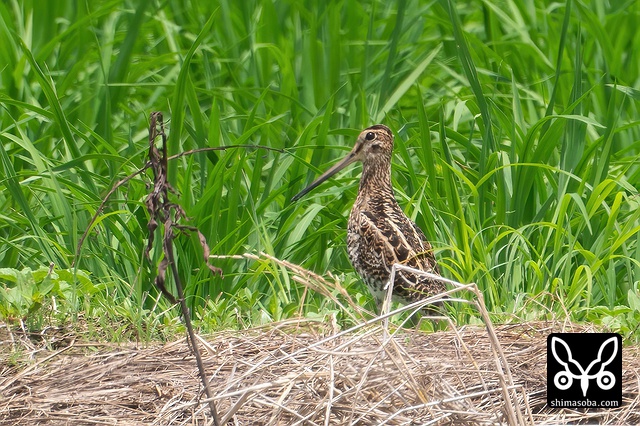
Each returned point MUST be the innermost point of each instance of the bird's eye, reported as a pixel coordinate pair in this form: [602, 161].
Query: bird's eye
[370, 136]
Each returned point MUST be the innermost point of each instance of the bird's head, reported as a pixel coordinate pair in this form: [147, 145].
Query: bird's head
[374, 144]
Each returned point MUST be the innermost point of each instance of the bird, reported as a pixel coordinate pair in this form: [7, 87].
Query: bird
[379, 233]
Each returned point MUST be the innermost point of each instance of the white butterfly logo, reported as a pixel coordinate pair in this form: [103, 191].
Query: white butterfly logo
[564, 379]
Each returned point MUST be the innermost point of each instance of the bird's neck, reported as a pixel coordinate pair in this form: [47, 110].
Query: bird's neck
[376, 181]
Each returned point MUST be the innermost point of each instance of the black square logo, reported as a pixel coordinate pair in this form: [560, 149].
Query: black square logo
[584, 370]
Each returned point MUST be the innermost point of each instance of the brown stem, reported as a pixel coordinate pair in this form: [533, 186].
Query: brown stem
[192, 336]
[162, 210]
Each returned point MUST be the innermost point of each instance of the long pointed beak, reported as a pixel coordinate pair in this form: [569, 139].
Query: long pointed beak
[350, 158]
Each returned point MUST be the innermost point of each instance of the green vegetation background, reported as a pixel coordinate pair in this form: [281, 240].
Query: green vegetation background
[517, 151]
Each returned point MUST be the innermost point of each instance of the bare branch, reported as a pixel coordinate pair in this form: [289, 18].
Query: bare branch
[161, 209]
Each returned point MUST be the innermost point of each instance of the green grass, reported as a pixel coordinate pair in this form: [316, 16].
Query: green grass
[517, 149]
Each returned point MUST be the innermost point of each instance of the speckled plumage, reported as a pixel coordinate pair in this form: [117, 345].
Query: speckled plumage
[379, 234]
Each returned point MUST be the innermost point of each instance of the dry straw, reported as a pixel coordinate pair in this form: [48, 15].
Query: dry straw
[306, 372]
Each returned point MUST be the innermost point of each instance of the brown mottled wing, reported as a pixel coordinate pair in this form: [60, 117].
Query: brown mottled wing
[426, 256]
[413, 286]
[393, 238]
[424, 260]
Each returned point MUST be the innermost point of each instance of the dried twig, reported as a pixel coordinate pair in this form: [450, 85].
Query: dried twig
[162, 210]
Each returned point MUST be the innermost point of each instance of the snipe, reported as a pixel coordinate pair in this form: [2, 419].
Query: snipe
[379, 234]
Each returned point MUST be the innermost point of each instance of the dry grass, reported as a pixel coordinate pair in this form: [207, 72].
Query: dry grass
[302, 372]
[292, 373]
